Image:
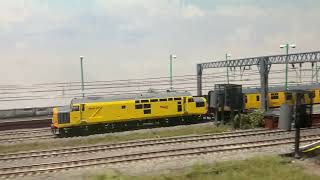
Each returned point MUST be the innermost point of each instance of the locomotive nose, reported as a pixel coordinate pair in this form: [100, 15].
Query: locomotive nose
[55, 112]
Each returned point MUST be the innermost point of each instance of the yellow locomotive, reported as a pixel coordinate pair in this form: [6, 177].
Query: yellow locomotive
[103, 111]
[278, 96]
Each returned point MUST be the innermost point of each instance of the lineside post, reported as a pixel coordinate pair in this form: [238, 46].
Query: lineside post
[264, 74]
[199, 79]
[297, 118]
[82, 80]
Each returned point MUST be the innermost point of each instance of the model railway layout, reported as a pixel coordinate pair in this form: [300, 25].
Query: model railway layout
[212, 144]
[114, 112]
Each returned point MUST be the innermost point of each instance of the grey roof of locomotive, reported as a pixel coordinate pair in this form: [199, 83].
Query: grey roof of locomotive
[281, 88]
[147, 95]
[130, 97]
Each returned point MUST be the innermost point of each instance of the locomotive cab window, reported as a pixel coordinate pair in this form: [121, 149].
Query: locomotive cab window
[170, 99]
[163, 99]
[123, 107]
[154, 100]
[176, 99]
[258, 98]
[190, 100]
[75, 108]
[274, 96]
[144, 100]
[199, 104]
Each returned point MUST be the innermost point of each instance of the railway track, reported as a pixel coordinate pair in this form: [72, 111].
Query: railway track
[23, 124]
[131, 144]
[23, 132]
[18, 139]
[11, 140]
[7, 140]
[136, 144]
[42, 168]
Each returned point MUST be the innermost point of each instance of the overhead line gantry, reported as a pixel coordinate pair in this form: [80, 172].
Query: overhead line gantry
[263, 63]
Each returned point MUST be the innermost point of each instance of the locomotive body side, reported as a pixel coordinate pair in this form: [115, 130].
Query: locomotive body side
[86, 114]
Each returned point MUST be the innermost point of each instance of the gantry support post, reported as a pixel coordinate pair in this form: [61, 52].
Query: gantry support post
[264, 63]
[264, 73]
[82, 79]
[199, 79]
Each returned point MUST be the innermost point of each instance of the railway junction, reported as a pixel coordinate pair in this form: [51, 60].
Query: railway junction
[29, 150]
[136, 154]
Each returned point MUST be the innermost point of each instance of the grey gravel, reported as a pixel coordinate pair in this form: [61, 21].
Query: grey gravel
[163, 164]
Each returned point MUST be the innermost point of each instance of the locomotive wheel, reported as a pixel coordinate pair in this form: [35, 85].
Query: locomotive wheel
[62, 133]
[54, 131]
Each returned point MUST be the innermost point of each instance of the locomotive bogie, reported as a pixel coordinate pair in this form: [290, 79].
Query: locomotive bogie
[124, 112]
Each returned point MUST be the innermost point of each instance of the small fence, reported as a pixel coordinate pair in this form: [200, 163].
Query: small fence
[25, 112]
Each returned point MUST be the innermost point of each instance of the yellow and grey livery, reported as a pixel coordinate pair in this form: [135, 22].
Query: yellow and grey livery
[278, 95]
[89, 111]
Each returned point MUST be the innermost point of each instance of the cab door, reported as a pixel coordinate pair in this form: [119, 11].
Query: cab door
[179, 105]
[184, 108]
[83, 115]
[75, 115]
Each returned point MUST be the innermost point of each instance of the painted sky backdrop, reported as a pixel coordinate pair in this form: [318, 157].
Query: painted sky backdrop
[41, 40]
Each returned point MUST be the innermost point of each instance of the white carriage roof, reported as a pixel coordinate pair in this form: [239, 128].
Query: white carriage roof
[281, 88]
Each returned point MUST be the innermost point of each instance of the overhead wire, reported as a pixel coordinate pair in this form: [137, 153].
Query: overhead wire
[140, 84]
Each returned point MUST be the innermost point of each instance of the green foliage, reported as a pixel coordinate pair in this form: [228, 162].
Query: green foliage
[247, 121]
